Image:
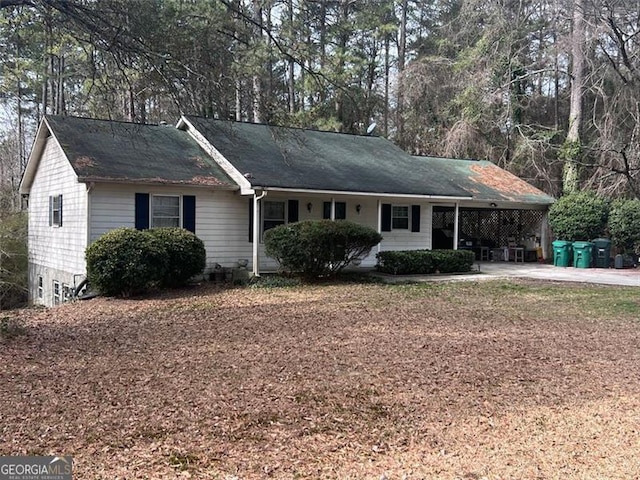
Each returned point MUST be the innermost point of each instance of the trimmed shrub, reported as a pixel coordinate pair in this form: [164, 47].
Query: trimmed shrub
[185, 255]
[125, 261]
[408, 262]
[316, 248]
[624, 225]
[579, 216]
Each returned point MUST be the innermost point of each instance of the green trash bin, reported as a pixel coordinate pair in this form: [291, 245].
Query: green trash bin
[601, 252]
[561, 253]
[582, 254]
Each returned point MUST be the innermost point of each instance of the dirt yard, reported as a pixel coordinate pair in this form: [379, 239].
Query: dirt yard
[491, 380]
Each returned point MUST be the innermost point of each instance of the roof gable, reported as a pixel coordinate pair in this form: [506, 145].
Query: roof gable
[110, 151]
[293, 158]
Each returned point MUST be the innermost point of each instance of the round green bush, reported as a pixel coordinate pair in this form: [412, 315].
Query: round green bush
[316, 248]
[624, 224]
[579, 216]
[186, 255]
[125, 261]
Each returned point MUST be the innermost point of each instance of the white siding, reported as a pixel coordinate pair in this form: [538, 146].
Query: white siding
[406, 239]
[368, 215]
[222, 217]
[57, 248]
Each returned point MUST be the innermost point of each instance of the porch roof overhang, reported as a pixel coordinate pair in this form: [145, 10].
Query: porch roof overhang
[307, 191]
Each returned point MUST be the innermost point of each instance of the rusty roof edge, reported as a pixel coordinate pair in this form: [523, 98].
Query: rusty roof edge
[156, 182]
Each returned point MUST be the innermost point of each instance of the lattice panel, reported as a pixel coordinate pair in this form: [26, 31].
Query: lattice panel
[494, 227]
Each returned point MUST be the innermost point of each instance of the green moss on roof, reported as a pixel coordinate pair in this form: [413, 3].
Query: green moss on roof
[102, 150]
[309, 159]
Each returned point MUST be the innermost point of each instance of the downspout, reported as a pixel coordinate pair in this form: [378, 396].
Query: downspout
[456, 231]
[90, 186]
[256, 231]
[379, 246]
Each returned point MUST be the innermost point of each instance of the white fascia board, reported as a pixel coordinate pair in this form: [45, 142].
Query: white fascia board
[226, 165]
[34, 158]
[35, 155]
[366, 194]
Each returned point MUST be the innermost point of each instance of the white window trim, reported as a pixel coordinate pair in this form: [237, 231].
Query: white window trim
[408, 217]
[40, 287]
[262, 217]
[57, 197]
[65, 293]
[57, 297]
[151, 217]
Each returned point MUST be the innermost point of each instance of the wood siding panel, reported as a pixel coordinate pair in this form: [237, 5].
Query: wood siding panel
[61, 248]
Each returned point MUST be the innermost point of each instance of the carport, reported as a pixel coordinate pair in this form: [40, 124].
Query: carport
[505, 213]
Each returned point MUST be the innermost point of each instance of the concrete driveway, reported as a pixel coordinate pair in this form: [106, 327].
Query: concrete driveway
[608, 276]
[494, 270]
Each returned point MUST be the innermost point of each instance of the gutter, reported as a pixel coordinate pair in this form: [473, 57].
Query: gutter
[370, 194]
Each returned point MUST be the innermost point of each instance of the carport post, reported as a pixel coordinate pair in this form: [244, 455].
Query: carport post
[455, 226]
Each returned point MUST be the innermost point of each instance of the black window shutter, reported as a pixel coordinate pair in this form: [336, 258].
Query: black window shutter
[60, 212]
[326, 210]
[341, 211]
[386, 217]
[250, 220]
[415, 218]
[50, 210]
[292, 213]
[142, 211]
[189, 212]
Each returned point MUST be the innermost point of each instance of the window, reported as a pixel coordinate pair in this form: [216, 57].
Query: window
[56, 292]
[273, 214]
[40, 287]
[400, 217]
[165, 211]
[55, 211]
[340, 210]
[66, 292]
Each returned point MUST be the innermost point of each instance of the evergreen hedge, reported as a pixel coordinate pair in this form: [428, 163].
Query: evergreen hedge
[126, 261]
[579, 216]
[624, 225]
[316, 248]
[408, 262]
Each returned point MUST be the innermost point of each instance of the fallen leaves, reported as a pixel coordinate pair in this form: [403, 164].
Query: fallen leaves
[333, 381]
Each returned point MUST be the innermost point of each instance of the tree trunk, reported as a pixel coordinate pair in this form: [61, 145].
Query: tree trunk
[402, 45]
[572, 147]
[291, 85]
[256, 80]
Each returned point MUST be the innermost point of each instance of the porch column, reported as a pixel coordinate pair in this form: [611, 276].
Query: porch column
[333, 209]
[378, 247]
[456, 232]
[544, 235]
[256, 232]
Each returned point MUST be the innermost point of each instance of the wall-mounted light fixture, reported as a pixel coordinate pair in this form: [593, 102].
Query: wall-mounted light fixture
[309, 207]
[493, 204]
[358, 208]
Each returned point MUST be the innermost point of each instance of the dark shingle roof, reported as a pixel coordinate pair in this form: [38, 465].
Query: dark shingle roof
[486, 181]
[102, 150]
[308, 159]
